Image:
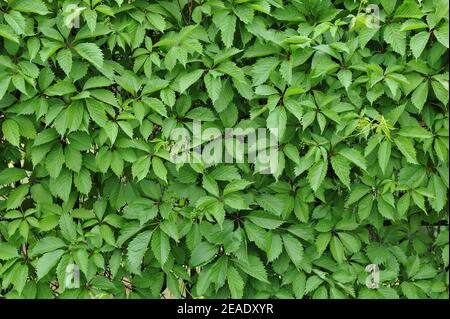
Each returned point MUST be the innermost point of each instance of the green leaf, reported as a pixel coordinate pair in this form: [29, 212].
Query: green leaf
[31, 6]
[20, 277]
[365, 207]
[210, 185]
[227, 27]
[202, 254]
[11, 175]
[62, 87]
[350, 242]
[17, 196]
[415, 132]
[64, 58]
[11, 132]
[159, 169]
[441, 34]
[16, 21]
[254, 267]
[316, 174]
[395, 37]
[68, 227]
[408, 9]
[8, 251]
[189, 79]
[90, 52]
[322, 242]
[419, 96]
[156, 105]
[341, 167]
[293, 248]
[274, 247]
[345, 77]
[137, 249]
[72, 158]
[385, 209]
[141, 167]
[418, 43]
[47, 244]
[262, 69]
[406, 147]
[4, 82]
[277, 119]
[160, 246]
[8, 33]
[236, 186]
[445, 256]
[299, 285]
[47, 262]
[82, 181]
[355, 157]
[45, 136]
[384, 154]
[337, 250]
[235, 283]
[264, 220]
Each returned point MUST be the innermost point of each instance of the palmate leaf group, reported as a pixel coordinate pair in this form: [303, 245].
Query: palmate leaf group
[88, 105]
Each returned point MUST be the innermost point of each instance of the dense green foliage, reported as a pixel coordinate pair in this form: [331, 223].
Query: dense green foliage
[86, 113]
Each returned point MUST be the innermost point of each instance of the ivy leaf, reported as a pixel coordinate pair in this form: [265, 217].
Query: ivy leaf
[419, 96]
[11, 132]
[156, 105]
[406, 147]
[47, 244]
[254, 267]
[202, 253]
[395, 37]
[337, 250]
[64, 58]
[441, 34]
[90, 52]
[8, 33]
[235, 283]
[16, 21]
[137, 249]
[355, 157]
[31, 6]
[418, 43]
[293, 248]
[415, 132]
[385, 209]
[11, 175]
[316, 174]
[159, 169]
[160, 246]
[262, 69]
[189, 79]
[141, 167]
[384, 154]
[47, 262]
[341, 167]
[227, 28]
[322, 242]
[8, 251]
[350, 242]
[17, 196]
[264, 220]
[19, 277]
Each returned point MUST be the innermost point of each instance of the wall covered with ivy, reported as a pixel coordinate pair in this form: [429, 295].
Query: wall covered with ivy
[92, 204]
